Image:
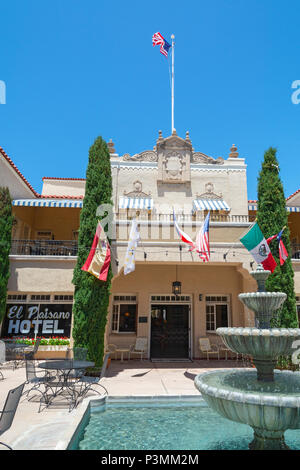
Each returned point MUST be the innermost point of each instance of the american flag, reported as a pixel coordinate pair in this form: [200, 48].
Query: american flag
[202, 240]
[158, 40]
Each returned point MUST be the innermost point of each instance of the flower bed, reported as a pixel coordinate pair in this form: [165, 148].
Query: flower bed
[55, 341]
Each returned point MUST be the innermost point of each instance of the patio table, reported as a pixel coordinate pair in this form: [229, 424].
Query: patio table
[14, 351]
[122, 351]
[62, 380]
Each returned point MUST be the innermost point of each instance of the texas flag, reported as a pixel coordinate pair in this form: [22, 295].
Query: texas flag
[183, 236]
[98, 261]
[256, 243]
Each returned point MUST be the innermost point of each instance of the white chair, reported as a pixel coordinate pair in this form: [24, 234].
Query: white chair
[112, 349]
[140, 347]
[207, 348]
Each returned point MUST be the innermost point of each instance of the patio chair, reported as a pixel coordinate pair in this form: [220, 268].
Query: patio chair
[112, 349]
[86, 383]
[2, 357]
[30, 353]
[9, 410]
[207, 348]
[77, 354]
[32, 378]
[139, 348]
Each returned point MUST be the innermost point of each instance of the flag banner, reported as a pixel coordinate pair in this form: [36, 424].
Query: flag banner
[283, 254]
[257, 245]
[202, 240]
[158, 40]
[185, 238]
[129, 264]
[98, 260]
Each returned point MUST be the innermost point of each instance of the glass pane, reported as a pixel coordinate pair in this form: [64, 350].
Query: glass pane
[222, 315]
[127, 321]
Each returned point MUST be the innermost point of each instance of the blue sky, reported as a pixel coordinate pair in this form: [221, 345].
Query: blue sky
[77, 69]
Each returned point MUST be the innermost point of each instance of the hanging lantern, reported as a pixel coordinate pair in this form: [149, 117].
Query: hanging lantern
[176, 288]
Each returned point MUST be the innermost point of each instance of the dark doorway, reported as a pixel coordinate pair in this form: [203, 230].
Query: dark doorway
[169, 331]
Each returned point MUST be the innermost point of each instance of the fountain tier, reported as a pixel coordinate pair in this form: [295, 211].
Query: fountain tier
[263, 345]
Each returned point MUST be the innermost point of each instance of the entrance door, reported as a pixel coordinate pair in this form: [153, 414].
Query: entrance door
[169, 331]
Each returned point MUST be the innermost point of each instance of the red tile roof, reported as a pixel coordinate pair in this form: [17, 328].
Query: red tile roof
[294, 194]
[18, 171]
[45, 196]
[56, 178]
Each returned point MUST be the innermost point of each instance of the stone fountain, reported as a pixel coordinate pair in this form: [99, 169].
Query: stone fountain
[268, 400]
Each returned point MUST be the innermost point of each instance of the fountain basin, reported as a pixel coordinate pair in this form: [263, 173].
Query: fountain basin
[269, 408]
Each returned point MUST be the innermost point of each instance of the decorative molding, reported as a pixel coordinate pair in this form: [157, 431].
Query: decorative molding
[146, 156]
[199, 157]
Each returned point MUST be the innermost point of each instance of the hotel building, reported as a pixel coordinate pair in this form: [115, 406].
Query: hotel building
[147, 186]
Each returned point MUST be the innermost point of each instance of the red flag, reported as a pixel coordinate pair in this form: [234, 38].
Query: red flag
[283, 254]
[98, 261]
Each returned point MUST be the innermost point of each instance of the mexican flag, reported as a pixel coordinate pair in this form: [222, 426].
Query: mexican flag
[256, 243]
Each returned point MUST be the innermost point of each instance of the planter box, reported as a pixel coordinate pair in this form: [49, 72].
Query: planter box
[51, 352]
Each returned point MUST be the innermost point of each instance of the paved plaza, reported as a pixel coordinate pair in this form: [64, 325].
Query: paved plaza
[53, 427]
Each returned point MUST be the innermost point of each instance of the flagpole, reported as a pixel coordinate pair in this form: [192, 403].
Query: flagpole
[172, 93]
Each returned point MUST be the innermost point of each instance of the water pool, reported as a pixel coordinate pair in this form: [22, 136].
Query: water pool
[163, 425]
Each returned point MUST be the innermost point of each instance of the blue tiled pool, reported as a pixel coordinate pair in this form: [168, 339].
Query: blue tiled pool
[162, 424]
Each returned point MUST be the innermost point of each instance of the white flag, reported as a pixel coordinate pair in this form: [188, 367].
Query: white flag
[129, 264]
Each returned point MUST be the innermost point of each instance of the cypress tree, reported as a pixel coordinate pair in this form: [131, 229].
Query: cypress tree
[271, 218]
[91, 297]
[6, 222]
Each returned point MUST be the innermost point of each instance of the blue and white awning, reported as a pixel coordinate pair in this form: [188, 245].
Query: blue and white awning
[210, 205]
[253, 207]
[47, 203]
[135, 203]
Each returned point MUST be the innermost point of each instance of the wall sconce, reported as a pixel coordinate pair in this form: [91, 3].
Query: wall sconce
[200, 297]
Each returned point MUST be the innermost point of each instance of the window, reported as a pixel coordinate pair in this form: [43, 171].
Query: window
[124, 317]
[298, 307]
[217, 312]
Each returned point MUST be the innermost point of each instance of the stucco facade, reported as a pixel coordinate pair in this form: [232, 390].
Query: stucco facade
[147, 186]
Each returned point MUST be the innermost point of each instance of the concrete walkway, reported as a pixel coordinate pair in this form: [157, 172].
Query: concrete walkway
[53, 428]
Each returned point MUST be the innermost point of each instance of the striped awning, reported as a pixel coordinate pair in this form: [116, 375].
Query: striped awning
[135, 203]
[47, 203]
[210, 205]
[253, 207]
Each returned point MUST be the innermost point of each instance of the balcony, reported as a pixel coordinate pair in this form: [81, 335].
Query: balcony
[44, 247]
[151, 216]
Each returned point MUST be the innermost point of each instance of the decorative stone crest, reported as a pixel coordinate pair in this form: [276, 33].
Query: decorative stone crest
[137, 191]
[209, 193]
[174, 157]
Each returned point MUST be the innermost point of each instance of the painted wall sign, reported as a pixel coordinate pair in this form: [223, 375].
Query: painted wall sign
[42, 319]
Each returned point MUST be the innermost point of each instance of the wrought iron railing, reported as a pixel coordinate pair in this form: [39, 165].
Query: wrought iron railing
[44, 247]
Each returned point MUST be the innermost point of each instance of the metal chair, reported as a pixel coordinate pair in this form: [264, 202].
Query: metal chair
[111, 349]
[140, 347]
[33, 379]
[207, 348]
[76, 354]
[2, 357]
[9, 410]
[86, 384]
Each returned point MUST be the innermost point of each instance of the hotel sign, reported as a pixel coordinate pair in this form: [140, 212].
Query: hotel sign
[41, 319]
